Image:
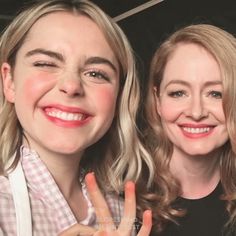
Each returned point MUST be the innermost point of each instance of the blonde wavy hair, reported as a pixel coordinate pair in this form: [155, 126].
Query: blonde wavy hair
[222, 45]
[119, 155]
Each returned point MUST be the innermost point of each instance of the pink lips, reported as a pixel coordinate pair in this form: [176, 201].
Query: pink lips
[66, 116]
[196, 130]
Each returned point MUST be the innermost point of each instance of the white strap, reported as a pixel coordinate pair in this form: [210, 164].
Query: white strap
[21, 201]
[1, 232]
[136, 10]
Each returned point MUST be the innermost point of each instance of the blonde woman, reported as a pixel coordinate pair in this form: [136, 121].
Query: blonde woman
[191, 114]
[69, 99]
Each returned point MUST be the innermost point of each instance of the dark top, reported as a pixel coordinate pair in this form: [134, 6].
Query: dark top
[205, 217]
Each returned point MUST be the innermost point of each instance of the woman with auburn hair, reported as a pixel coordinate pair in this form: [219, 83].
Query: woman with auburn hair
[69, 98]
[191, 115]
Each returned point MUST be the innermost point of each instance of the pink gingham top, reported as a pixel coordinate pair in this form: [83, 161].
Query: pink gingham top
[50, 211]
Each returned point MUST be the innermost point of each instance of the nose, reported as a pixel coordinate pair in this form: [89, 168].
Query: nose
[197, 109]
[71, 84]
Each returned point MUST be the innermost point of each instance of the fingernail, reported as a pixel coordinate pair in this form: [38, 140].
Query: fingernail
[147, 217]
[90, 180]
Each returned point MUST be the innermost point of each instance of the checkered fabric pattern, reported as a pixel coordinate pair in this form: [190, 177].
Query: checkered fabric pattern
[51, 213]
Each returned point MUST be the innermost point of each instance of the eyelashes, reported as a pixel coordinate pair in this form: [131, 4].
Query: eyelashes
[181, 93]
[94, 74]
[215, 94]
[97, 74]
[44, 64]
[176, 94]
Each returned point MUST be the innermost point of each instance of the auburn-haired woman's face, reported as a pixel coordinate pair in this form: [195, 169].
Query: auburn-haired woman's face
[190, 101]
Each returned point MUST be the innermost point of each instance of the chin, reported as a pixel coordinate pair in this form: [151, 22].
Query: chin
[67, 149]
[199, 152]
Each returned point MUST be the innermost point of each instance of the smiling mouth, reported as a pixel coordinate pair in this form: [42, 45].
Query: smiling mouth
[66, 115]
[197, 130]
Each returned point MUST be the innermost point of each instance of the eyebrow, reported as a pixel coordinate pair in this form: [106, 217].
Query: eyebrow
[49, 53]
[60, 57]
[182, 82]
[100, 60]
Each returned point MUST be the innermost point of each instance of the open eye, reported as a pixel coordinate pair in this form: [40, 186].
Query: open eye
[215, 94]
[177, 94]
[97, 74]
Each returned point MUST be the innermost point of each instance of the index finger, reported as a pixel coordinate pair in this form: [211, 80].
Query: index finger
[101, 209]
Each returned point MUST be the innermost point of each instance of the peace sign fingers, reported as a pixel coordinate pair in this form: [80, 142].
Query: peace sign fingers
[102, 211]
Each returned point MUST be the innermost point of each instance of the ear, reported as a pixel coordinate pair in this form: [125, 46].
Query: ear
[8, 83]
[157, 100]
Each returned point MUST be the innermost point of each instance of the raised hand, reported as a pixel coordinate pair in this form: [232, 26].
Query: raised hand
[106, 226]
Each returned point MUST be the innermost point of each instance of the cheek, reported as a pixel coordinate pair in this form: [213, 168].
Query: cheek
[33, 87]
[218, 113]
[169, 114]
[105, 98]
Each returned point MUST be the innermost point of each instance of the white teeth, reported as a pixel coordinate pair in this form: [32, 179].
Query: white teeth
[70, 116]
[65, 115]
[196, 130]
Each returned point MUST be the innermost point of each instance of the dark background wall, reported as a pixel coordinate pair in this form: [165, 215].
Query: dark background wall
[149, 27]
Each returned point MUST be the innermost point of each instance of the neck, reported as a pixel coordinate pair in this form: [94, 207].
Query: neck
[65, 173]
[64, 168]
[198, 175]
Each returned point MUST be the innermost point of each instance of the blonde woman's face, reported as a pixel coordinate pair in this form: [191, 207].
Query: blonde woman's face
[64, 85]
[190, 102]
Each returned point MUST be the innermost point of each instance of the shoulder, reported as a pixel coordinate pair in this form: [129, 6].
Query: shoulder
[5, 188]
[7, 208]
[6, 197]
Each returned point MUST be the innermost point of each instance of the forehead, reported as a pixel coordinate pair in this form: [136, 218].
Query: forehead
[188, 50]
[191, 61]
[64, 22]
[70, 33]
